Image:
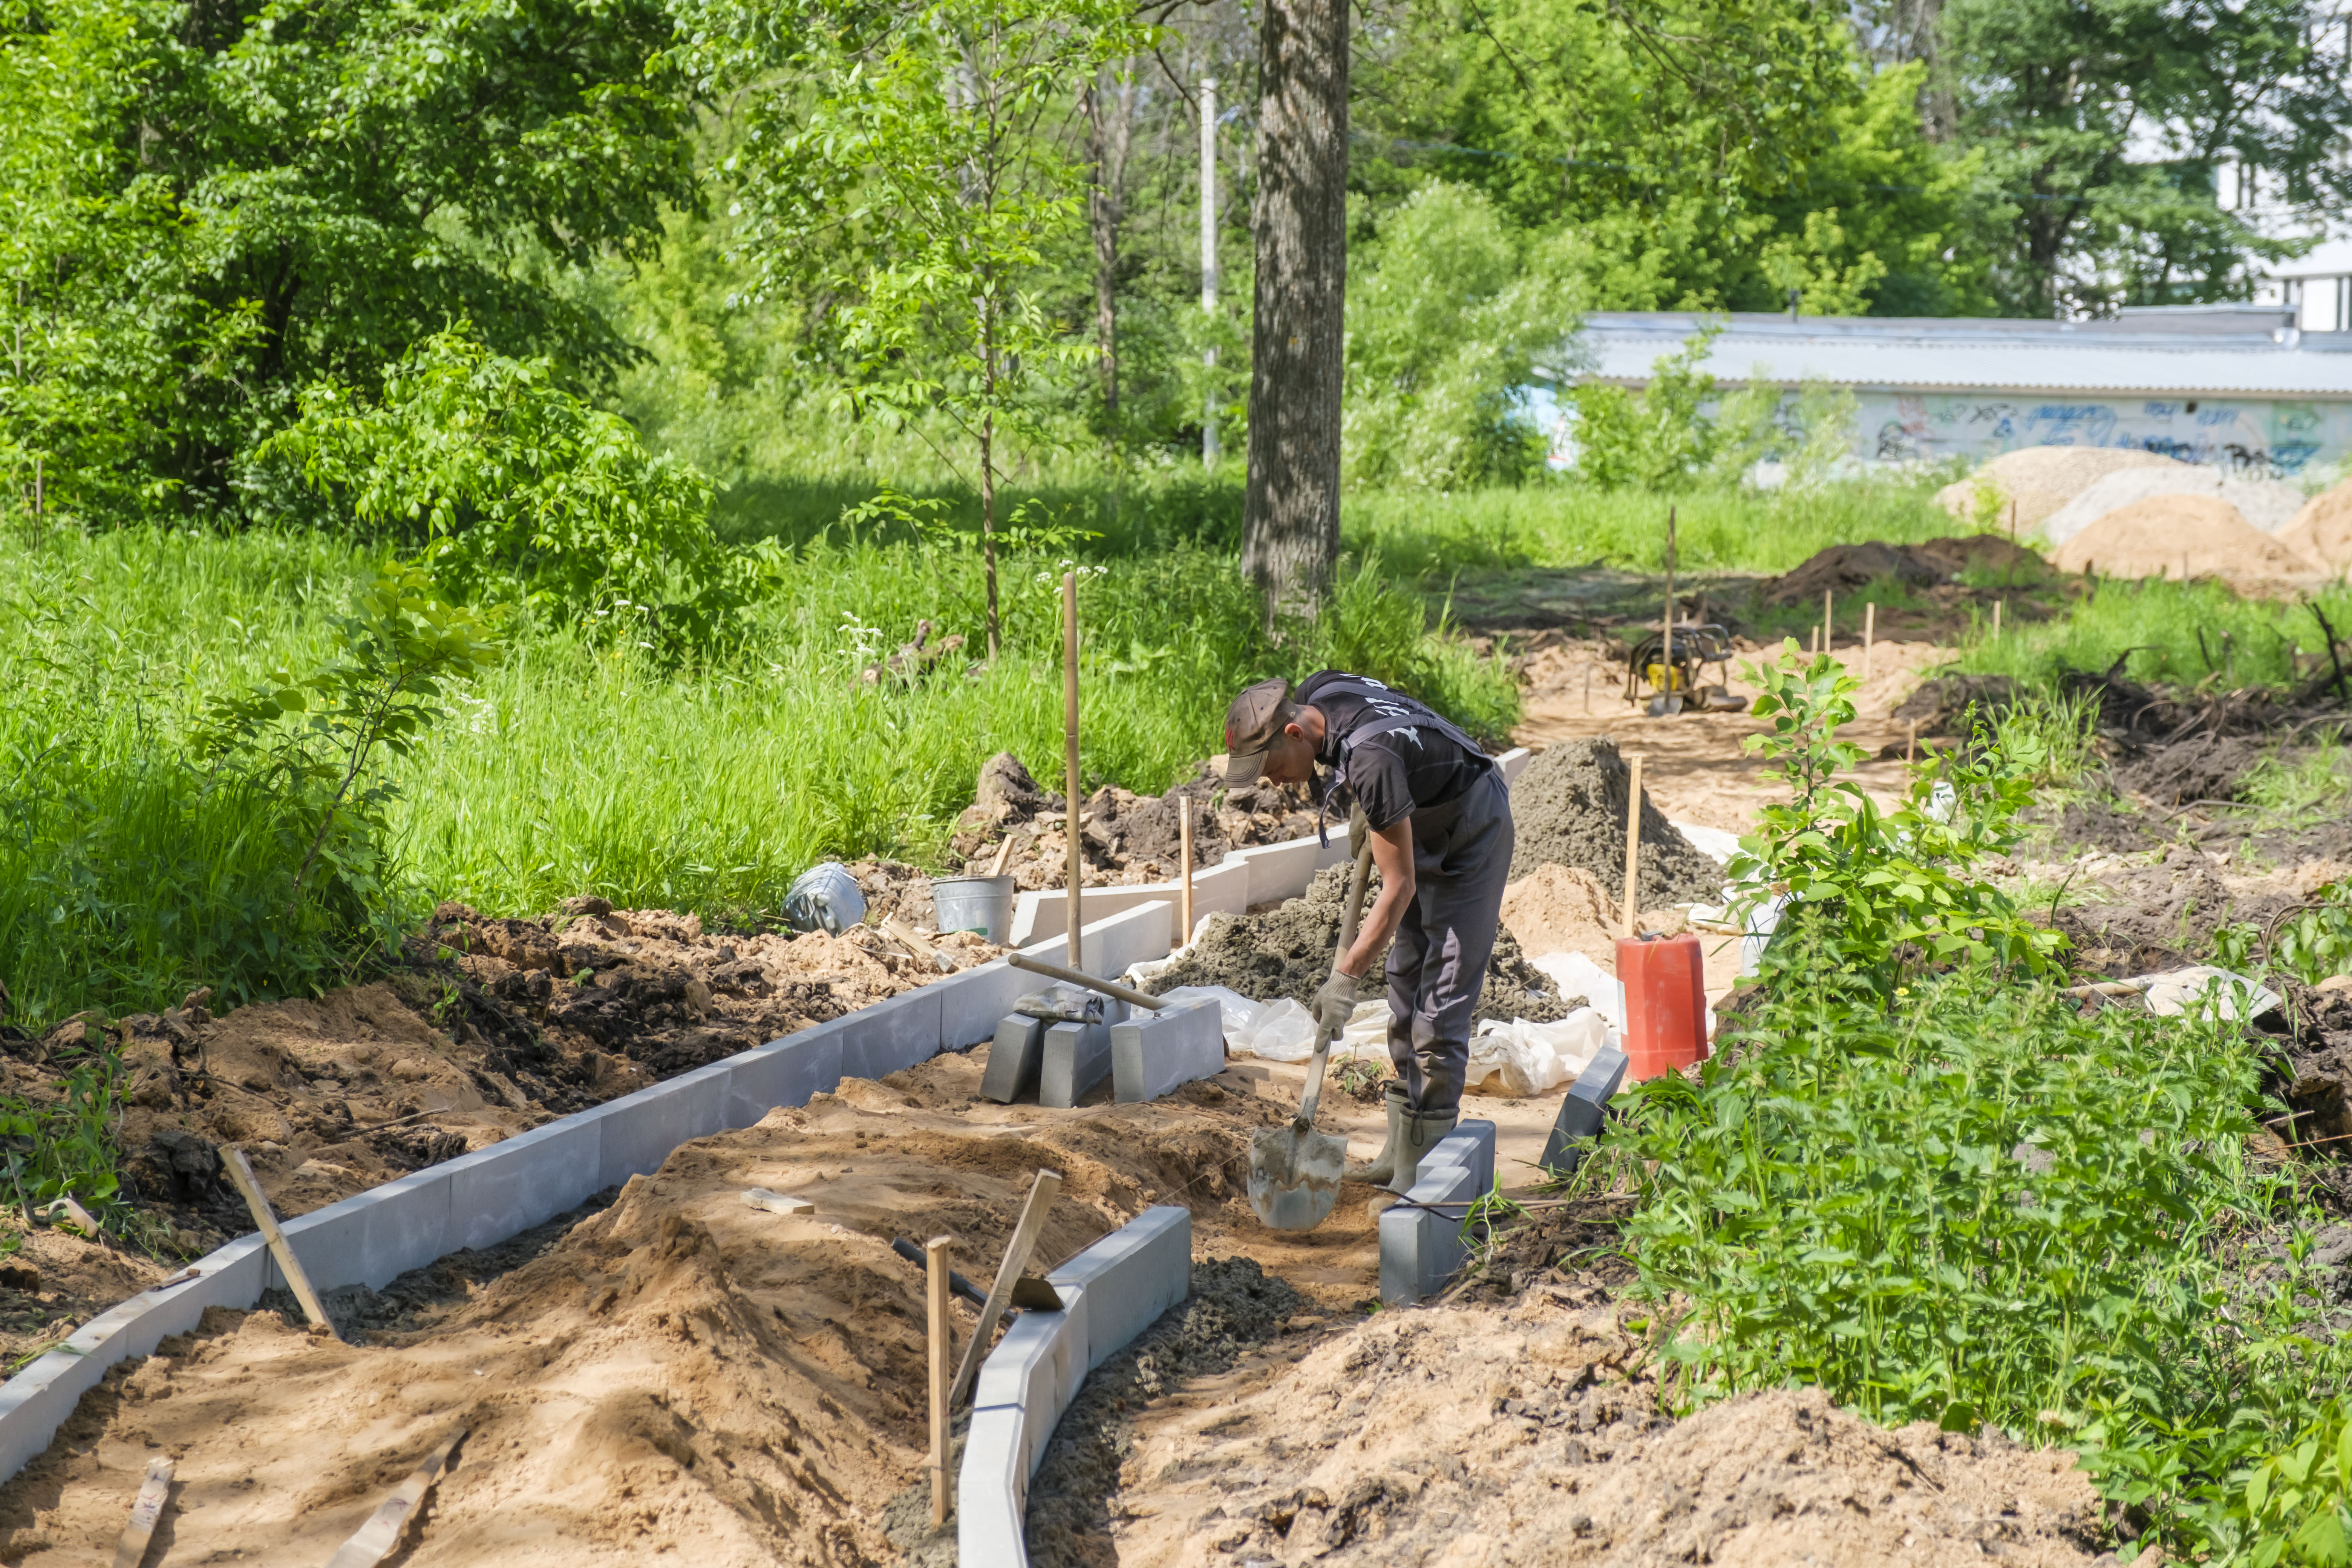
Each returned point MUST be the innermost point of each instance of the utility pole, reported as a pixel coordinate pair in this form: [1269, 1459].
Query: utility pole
[1209, 263]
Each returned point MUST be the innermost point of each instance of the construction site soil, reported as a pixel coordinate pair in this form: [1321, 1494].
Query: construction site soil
[1124, 838]
[489, 1027]
[1570, 808]
[1287, 952]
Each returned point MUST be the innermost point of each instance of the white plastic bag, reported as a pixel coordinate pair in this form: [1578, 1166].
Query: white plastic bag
[1366, 1038]
[1282, 1032]
[1530, 1058]
[1712, 842]
[1577, 975]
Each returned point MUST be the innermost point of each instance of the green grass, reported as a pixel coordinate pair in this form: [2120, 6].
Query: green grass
[2175, 633]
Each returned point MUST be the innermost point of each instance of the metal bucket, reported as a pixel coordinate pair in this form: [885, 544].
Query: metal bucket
[983, 904]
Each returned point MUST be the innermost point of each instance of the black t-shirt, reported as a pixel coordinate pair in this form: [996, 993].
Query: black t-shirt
[1393, 774]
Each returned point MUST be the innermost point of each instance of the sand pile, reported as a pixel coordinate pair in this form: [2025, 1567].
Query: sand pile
[1562, 909]
[2041, 480]
[677, 1373]
[2323, 529]
[1287, 952]
[1570, 808]
[2266, 505]
[1512, 1434]
[1125, 838]
[2179, 536]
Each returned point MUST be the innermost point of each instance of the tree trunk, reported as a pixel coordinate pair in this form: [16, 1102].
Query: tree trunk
[1110, 126]
[1290, 516]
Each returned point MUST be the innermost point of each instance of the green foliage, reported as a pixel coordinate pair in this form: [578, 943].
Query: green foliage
[2311, 942]
[2295, 1506]
[516, 487]
[2179, 634]
[1654, 439]
[225, 207]
[1971, 1205]
[52, 1149]
[1864, 886]
[1370, 628]
[1447, 312]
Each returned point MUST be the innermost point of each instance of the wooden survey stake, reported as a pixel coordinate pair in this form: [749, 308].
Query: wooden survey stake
[1008, 1273]
[935, 1261]
[1869, 635]
[1632, 920]
[1184, 847]
[145, 1509]
[373, 1540]
[264, 1219]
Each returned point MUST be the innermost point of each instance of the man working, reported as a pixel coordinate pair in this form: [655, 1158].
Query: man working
[1440, 822]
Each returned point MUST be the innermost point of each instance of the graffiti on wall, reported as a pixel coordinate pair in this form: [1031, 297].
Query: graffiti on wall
[2260, 437]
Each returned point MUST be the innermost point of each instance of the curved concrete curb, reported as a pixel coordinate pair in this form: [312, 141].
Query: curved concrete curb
[1111, 1292]
[1420, 1247]
[484, 1197]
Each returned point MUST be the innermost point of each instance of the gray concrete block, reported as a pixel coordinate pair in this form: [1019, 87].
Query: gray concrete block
[790, 1071]
[636, 1132]
[371, 1237]
[1130, 1276]
[1015, 1058]
[1073, 1059]
[1152, 1053]
[1582, 1109]
[972, 1002]
[1037, 1365]
[891, 1035]
[1420, 1247]
[1111, 944]
[992, 1494]
[511, 1186]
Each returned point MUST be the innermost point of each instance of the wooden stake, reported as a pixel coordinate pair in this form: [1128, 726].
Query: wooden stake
[1008, 1273]
[1828, 635]
[1070, 752]
[1996, 618]
[1667, 658]
[1911, 741]
[1004, 850]
[145, 1509]
[373, 1540]
[1869, 635]
[1588, 689]
[264, 1219]
[1184, 838]
[935, 1259]
[1633, 847]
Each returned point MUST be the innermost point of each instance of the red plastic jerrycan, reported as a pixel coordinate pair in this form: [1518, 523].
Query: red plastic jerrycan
[1665, 1004]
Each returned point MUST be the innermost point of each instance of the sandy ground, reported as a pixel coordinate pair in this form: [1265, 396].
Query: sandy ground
[1531, 1432]
[1693, 767]
[679, 1372]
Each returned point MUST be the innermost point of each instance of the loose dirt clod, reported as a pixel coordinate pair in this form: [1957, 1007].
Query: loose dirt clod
[1570, 807]
[1287, 951]
[1125, 837]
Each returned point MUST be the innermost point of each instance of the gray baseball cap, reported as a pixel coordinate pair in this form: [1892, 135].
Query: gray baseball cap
[1252, 725]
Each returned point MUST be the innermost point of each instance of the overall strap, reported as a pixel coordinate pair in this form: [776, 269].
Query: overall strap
[1394, 715]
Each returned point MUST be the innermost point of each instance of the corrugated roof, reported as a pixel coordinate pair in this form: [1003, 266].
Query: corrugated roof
[2247, 350]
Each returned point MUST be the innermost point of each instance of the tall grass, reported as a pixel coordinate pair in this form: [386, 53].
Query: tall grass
[2178, 633]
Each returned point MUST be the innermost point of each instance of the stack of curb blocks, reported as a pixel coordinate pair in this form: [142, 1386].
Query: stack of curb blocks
[1111, 1292]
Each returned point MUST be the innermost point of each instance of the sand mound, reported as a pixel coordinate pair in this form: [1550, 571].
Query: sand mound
[2265, 503]
[2323, 529]
[1562, 909]
[2041, 480]
[1484, 1435]
[1569, 807]
[1287, 952]
[2180, 536]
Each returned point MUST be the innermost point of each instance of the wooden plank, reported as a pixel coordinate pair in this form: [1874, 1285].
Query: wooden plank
[1008, 1273]
[373, 1542]
[935, 1259]
[240, 1171]
[145, 1510]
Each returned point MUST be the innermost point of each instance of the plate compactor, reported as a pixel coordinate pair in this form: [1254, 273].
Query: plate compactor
[1673, 679]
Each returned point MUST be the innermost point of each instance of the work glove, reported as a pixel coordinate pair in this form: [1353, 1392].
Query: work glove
[1335, 1004]
[1357, 831]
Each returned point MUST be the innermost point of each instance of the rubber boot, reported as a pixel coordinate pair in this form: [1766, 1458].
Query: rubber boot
[1421, 1132]
[1382, 1166]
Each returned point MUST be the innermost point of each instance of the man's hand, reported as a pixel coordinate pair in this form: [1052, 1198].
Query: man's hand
[1335, 1004]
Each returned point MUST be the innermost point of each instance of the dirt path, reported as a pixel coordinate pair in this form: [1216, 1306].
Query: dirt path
[1693, 765]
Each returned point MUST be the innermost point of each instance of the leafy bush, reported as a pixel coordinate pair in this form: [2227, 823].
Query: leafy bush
[1882, 894]
[520, 489]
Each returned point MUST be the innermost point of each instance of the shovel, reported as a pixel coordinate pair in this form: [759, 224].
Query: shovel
[1293, 1174]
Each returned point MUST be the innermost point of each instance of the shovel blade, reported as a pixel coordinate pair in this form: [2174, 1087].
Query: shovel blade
[1666, 705]
[1293, 1176]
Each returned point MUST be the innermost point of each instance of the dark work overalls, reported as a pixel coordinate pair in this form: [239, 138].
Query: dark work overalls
[1461, 860]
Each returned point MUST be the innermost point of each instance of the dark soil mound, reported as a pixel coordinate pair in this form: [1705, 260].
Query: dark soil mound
[1570, 807]
[2165, 916]
[1848, 568]
[1125, 837]
[2203, 767]
[1982, 552]
[1940, 705]
[1287, 952]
